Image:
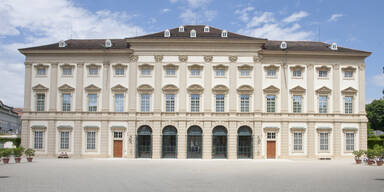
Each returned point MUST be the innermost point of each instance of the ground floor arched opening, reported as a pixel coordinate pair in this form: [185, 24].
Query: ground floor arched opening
[144, 142]
[219, 142]
[244, 143]
[195, 142]
[169, 142]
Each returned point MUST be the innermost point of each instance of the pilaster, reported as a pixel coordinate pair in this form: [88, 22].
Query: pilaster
[284, 140]
[104, 135]
[336, 88]
[77, 136]
[106, 87]
[156, 137]
[361, 88]
[157, 88]
[25, 133]
[284, 88]
[311, 140]
[53, 87]
[28, 87]
[258, 82]
[207, 141]
[51, 146]
[310, 89]
[337, 139]
[232, 140]
[363, 136]
[183, 87]
[132, 90]
[131, 148]
[232, 87]
[207, 87]
[257, 147]
[182, 141]
[79, 87]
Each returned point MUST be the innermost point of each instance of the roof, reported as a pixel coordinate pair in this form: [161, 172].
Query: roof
[307, 46]
[214, 33]
[82, 44]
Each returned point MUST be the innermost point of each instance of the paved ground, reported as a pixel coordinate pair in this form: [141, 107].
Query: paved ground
[113, 175]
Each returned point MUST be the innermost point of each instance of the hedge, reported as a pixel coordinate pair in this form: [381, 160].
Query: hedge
[373, 142]
[15, 141]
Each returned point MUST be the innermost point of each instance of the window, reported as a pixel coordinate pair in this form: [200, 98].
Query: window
[195, 72]
[297, 141]
[296, 73]
[195, 103]
[181, 29]
[64, 140]
[119, 71]
[145, 72]
[206, 29]
[92, 102]
[40, 102]
[244, 72]
[297, 103]
[348, 104]
[66, 102]
[323, 104]
[244, 103]
[271, 135]
[167, 33]
[220, 72]
[118, 134]
[170, 103]
[41, 71]
[323, 141]
[145, 102]
[193, 33]
[224, 34]
[271, 73]
[323, 74]
[349, 141]
[348, 74]
[119, 102]
[67, 71]
[38, 140]
[170, 72]
[93, 70]
[91, 140]
[271, 103]
[219, 103]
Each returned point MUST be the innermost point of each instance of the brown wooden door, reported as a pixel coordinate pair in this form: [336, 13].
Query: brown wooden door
[117, 148]
[271, 149]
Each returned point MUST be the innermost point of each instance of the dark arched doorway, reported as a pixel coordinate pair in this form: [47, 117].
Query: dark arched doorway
[195, 142]
[244, 143]
[144, 142]
[219, 142]
[169, 143]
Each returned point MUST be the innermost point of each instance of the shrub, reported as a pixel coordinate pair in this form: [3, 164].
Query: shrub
[358, 153]
[6, 153]
[29, 152]
[18, 151]
[370, 154]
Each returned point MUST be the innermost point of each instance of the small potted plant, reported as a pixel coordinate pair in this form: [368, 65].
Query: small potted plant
[29, 153]
[379, 153]
[358, 155]
[6, 153]
[18, 152]
[371, 156]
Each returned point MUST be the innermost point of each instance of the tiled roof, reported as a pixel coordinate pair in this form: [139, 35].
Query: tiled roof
[83, 44]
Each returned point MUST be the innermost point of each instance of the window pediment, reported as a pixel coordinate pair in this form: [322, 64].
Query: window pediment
[297, 67]
[119, 65]
[145, 88]
[349, 68]
[323, 90]
[271, 89]
[245, 67]
[298, 129]
[170, 89]
[220, 89]
[66, 65]
[40, 66]
[220, 66]
[271, 67]
[349, 91]
[40, 88]
[93, 65]
[66, 88]
[170, 66]
[297, 90]
[323, 68]
[195, 66]
[92, 88]
[245, 89]
[39, 127]
[119, 88]
[195, 89]
[145, 66]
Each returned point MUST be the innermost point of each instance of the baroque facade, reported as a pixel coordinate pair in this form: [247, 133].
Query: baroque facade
[194, 92]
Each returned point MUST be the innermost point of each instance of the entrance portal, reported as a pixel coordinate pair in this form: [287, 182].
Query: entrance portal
[144, 142]
[194, 142]
[169, 149]
[219, 142]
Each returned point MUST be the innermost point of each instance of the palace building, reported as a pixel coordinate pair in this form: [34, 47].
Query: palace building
[194, 91]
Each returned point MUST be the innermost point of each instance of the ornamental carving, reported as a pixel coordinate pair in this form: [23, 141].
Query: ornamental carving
[323, 90]
[297, 67]
[271, 89]
[195, 89]
[171, 66]
[232, 58]
[195, 66]
[145, 88]
[245, 89]
[220, 66]
[133, 58]
[349, 68]
[323, 68]
[220, 89]
[119, 65]
[183, 58]
[271, 67]
[336, 66]
[208, 58]
[245, 67]
[258, 59]
[66, 88]
[92, 88]
[170, 89]
[297, 90]
[361, 66]
[297, 129]
[159, 58]
[349, 91]
[40, 88]
[146, 66]
[119, 88]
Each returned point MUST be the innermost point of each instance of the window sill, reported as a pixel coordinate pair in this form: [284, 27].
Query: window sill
[297, 77]
[170, 76]
[348, 78]
[145, 76]
[93, 76]
[271, 77]
[67, 76]
[117, 76]
[220, 77]
[246, 77]
[323, 78]
[41, 76]
[193, 76]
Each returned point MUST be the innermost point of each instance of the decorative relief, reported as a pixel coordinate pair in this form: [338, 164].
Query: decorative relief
[349, 68]
[310, 66]
[245, 89]
[66, 88]
[258, 59]
[92, 88]
[297, 90]
[361, 66]
[145, 88]
[245, 67]
[323, 68]
[349, 91]
[323, 90]
[336, 66]
[195, 66]
[133, 58]
[297, 67]
[170, 89]
[232, 58]
[195, 89]
[158, 58]
[183, 58]
[220, 89]
[170, 66]
[271, 67]
[271, 89]
[208, 59]
[119, 88]
[220, 66]
[146, 66]
[40, 88]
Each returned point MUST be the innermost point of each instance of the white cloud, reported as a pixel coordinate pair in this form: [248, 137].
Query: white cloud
[296, 17]
[243, 13]
[47, 21]
[189, 17]
[165, 10]
[335, 17]
[266, 17]
[378, 80]
[195, 11]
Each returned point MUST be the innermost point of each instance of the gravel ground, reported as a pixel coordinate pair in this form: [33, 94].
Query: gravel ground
[115, 175]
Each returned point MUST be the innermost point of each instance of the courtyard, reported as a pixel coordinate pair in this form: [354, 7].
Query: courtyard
[189, 175]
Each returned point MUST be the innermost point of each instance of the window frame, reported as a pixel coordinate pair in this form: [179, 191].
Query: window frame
[195, 100]
[245, 104]
[64, 141]
[38, 142]
[91, 143]
[298, 141]
[295, 108]
[274, 103]
[170, 101]
[66, 107]
[324, 142]
[220, 103]
[145, 102]
[348, 107]
[42, 106]
[321, 109]
[349, 142]
[119, 105]
[93, 108]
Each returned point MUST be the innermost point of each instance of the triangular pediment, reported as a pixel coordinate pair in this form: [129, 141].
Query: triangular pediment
[349, 90]
[271, 89]
[66, 87]
[245, 89]
[323, 90]
[92, 88]
[39, 87]
[297, 89]
[170, 88]
[119, 88]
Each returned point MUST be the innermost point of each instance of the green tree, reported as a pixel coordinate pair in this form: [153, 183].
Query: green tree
[375, 114]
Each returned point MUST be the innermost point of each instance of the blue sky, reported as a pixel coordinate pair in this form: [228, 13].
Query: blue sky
[350, 23]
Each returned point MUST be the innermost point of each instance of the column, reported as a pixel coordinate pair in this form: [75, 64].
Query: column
[28, 87]
[183, 87]
[106, 86]
[232, 87]
[336, 88]
[362, 88]
[284, 88]
[79, 87]
[53, 88]
[132, 90]
[310, 89]
[25, 133]
[311, 140]
[77, 137]
[207, 140]
[157, 88]
[207, 87]
[182, 141]
[156, 138]
[336, 132]
[104, 135]
[258, 82]
[232, 140]
[284, 140]
[131, 147]
[363, 136]
[257, 138]
[51, 137]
